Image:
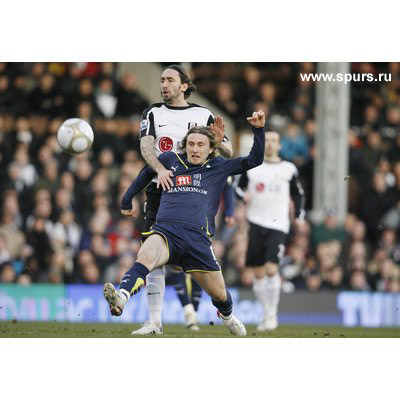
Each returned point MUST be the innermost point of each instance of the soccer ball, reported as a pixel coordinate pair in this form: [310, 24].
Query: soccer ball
[75, 136]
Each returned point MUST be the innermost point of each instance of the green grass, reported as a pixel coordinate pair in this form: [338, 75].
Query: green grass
[17, 329]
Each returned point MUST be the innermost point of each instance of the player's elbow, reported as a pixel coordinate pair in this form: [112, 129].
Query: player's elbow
[126, 202]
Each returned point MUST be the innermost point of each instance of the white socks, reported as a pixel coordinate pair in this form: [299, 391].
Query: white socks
[126, 296]
[155, 284]
[188, 309]
[273, 294]
[267, 291]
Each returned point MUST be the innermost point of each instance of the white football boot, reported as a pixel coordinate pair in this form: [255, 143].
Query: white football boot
[234, 325]
[268, 323]
[148, 328]
[190, 318]
[114, 298]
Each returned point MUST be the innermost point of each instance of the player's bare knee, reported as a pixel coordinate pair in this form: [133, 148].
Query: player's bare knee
[153, 253]
[260, 272]
[271, 269]
[220, 296]
[146, 259]
[149, 258]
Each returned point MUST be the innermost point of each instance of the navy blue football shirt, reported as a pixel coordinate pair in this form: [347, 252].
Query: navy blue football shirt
[194, 198]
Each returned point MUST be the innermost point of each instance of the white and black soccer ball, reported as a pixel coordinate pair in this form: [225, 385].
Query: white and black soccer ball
[75, 136]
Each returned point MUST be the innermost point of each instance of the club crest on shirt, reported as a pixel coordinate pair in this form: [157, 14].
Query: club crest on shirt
[191, 125]
[183, 180]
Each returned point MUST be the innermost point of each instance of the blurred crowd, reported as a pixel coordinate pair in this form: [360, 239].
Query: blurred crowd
[60, 219]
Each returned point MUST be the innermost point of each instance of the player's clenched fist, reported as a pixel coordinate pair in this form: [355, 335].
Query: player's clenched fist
[130, 213]
[257, 119]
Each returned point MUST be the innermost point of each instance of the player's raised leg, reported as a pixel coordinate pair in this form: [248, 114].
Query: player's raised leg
[213, 283]
[152, 254]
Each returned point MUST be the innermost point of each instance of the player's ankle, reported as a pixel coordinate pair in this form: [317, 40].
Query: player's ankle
[188, 308]
[125, 295]
[157, 323]
[225, 317]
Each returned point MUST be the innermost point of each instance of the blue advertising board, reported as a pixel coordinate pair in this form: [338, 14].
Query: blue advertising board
[85, 303]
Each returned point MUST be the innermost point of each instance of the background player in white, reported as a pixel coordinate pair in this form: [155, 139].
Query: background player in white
[269, 189]
[163, 127]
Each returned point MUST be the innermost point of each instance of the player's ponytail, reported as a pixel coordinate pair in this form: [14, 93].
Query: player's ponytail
[185, 78]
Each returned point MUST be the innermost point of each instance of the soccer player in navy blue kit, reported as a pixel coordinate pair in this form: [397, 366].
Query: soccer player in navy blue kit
[163, 127]
[181, 233]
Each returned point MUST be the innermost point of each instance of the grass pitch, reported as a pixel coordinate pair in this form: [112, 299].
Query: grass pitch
[18, 329]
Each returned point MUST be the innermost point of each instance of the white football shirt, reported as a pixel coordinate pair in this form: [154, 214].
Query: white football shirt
[170, 124]
[271, 186]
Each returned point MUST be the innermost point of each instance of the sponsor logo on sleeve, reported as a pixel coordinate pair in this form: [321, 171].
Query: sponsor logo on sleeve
[144, 124]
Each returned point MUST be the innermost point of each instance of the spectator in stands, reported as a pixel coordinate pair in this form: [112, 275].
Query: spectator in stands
[45, 99]
[39, 240]
[358, 281]
[14, 238]
[375, 203]
[129, 101]
[4, 252]
[294, 145]
[43, 190]
[225, 98]
[7, 273]
[250, 83]
[393, 153]
[328, 230]
[105, 98]
[372, 151]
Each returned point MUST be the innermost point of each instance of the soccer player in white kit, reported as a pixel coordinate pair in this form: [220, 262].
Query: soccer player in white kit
[267, 191]
[162, 129]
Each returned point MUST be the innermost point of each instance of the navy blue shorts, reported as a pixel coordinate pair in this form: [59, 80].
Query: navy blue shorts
[189, 247]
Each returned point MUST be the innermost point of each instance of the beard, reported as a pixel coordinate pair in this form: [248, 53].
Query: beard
[170, 97]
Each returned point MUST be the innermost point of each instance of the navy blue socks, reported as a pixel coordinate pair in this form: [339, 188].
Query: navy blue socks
[134, 279]
[224, 307]
[178, 280]
[196, 294]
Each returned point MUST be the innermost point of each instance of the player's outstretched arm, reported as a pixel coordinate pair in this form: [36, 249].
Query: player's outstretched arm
[256, 156]
[150, 156]
[142, 180]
